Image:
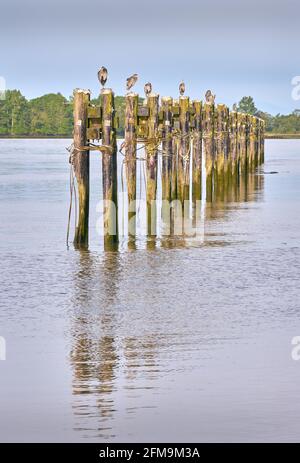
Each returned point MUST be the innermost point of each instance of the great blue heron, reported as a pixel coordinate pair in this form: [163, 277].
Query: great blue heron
[131, 81]
[209, 97]
[148, 88]
[102, 75]
[181, 88]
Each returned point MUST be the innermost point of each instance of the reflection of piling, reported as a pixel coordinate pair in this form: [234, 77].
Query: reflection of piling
[208, 138]
[151, 162]
[197, 151]
[81, 165]
[109, 169]
[183, 167]
[131, 111]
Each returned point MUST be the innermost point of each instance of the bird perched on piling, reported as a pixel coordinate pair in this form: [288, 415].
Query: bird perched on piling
[148, 88]
[131, 81]
[181, 88]
[209, 97]
[102, 75]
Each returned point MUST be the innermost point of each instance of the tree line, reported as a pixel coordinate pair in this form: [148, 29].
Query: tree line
[51, 115]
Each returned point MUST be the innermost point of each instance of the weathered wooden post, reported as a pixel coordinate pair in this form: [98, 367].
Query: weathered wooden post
[197, 152]
[258, 141]
[81, 165]
[262, 148]
[226, 142]
[167, 146]
[232, 160]
[151, 162]
[242, 142]
[252, 142]
[131, 117]
[247, 139]
[209, 148]
[109, 169]
[220, 153]
[167, 158]
[175, 148]
[183, 167]
[261, 124]
[233, 145]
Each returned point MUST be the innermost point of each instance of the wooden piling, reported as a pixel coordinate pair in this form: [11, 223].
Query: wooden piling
[183, 166]
[247, 140]
[252, 143]
[175, 144]
[167, 147]
[242, 142]
[151, 162]
[81, 165]
[233, 172]
[258, 140]
[262, 148]
[109, 169]
[220, 147]
[233, 148]
[197, 152]
[208, 138]
[131, 117]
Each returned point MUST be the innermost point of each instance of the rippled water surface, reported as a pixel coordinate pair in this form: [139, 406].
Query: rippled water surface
[164, 341]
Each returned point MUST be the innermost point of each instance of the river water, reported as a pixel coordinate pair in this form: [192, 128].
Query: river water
[187, 341]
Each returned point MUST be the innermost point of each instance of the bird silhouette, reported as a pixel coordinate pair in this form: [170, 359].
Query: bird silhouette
[102, 75]
[148, 88]
[181, 88]
[131, 81]
[209, 97]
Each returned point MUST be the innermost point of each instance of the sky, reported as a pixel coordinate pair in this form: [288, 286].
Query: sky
[232, 47]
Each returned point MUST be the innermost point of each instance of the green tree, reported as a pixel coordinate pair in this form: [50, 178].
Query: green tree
[246, 105]
[51, 114]
[14, 114]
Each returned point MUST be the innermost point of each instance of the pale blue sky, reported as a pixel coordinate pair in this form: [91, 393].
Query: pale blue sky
[236, 48]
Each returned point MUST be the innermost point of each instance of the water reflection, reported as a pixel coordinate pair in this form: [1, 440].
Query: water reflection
[108, 354]
[94, 356]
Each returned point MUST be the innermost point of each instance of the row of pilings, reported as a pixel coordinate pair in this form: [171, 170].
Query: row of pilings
[194, 140]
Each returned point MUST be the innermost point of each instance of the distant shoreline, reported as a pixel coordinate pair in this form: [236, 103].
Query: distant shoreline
[280, 136]
[276, 136]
